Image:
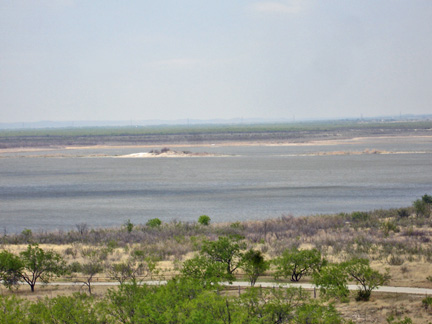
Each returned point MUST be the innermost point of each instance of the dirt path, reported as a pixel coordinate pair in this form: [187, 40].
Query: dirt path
[243, 284]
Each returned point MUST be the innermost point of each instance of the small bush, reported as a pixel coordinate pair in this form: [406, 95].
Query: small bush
[363, 295]
[427, 199]
[71, 251]
[395, 260]
[204, 220]
[237, 225]
[403, 212]
[154, 222]
[404, 269]
[27, 235]
[138, 254]
[423, 206]
[392, 320]
[75, 267]
[359, 217]
[388, 227]
[427, 302]
[82, 228]
[112, 244]
[129, 226]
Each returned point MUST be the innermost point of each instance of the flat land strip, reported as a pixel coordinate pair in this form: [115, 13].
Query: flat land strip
[275, 134]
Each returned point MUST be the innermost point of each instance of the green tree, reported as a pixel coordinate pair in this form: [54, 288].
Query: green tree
[10, 268]
[40, 264]
[154, 222]
[296, 263]
[204, 220]
[129, 270]
[254, 265]
[27, 235]
[427, 199]
[226, 250]
[90, 269]
[423, 206]
[204, 269]
[92, 266]
[128, 226]
[360, 271]
[332, 280]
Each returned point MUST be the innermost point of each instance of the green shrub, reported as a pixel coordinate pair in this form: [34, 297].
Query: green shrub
[427, 302]
[389, 226]
[359, 217]
[27, 235]
[204, 220]
[427, 199]
[315, 313]
[395, 260]
[237, 225]
[75, 267]
[129, 226]
[154, 222]
[138, 254]
[112, 244]
[13, 310]
[65, 309]
[403, 212]
[423, 206]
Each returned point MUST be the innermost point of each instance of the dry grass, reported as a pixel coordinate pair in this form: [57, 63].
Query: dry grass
[51, 291]
[383, 305]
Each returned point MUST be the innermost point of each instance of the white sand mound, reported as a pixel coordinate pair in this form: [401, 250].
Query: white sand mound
[136, 155]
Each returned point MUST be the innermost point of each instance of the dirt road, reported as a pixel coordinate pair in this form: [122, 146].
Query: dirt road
[242, 284]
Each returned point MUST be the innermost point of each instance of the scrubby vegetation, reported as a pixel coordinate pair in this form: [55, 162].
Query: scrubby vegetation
[368, 249]
[387, 235]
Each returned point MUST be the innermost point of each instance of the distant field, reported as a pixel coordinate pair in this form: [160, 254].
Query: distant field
[195, 134]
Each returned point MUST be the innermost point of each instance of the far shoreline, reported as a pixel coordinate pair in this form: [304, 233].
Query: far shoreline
[323, 142]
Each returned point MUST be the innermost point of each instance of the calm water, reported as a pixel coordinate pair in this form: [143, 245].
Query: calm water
[254, 182]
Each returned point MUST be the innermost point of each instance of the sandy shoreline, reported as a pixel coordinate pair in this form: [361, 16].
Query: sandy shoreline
[355, 140]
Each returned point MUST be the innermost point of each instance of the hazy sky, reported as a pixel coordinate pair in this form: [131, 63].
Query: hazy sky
[77, 60]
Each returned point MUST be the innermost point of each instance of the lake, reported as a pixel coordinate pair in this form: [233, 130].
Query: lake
[246, 183]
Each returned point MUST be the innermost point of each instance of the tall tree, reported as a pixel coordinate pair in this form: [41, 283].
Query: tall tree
[296, 263]
[254, 265]
[367, 278]
[226, 250]
[92, 266]
[40, 264]
[10, 268]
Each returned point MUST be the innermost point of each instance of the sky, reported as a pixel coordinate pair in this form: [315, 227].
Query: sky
[106, 60]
